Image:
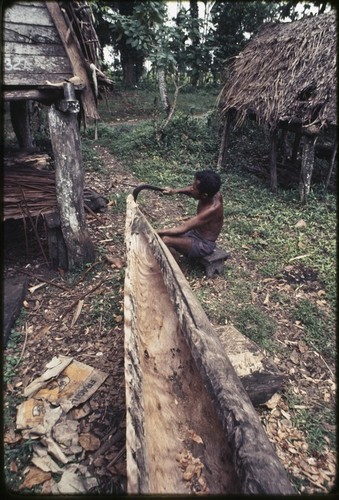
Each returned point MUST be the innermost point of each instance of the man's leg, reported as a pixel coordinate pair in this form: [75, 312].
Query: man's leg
[181, 245]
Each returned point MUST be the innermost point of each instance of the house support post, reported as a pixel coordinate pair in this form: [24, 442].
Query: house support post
[307, 162]
[333, 157]
[69, 181]
[296, 145]
[20, 118]
[225, 140]
[273, 159]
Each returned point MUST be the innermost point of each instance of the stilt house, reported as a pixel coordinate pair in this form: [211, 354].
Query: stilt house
[51, 55]
[285, 79]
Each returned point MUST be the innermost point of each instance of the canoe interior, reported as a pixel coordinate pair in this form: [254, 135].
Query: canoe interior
[179, 417]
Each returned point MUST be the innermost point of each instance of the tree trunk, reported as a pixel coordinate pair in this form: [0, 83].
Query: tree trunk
[163, 91]
[69, 179]
[273, 160]
[20, 119]
[307, 163]
[195, 37]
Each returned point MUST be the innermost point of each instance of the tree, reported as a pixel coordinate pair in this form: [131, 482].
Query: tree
[111, 32]
[234, 23]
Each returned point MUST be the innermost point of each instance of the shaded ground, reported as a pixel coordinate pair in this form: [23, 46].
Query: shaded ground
[49, 327]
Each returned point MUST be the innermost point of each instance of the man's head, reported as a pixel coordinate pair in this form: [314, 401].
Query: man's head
[209, 182]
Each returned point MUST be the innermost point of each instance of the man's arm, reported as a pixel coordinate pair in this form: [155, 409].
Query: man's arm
[192, 223]
[185, 190]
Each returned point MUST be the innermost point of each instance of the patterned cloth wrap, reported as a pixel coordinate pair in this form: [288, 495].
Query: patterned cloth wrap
[200, 246]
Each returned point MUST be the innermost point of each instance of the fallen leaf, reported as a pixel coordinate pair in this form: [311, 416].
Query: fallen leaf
[195, 437]
[77, 312]
[273, 401]
[34, 477]
[89, 442]
[294, 357]
[36, 287]
[301, 223]
[299, 257]
[115, 261]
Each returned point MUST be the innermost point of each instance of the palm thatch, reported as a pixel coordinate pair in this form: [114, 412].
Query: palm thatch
[287, 73]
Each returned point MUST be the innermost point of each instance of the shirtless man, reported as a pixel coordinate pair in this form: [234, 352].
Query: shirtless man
[196, 237]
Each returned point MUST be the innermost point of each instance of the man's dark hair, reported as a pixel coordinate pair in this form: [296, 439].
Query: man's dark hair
[210, 182]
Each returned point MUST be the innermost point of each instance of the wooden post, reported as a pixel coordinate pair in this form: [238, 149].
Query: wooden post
[20, 119]
[295, 148]
[225, 139]
[334, 154]
[273, 159]
[307, 163]
[69, 180]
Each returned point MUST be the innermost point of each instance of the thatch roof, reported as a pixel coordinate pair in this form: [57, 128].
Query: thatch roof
[286, 73]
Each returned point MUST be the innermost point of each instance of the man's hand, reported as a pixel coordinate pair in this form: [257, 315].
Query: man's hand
[168, 190]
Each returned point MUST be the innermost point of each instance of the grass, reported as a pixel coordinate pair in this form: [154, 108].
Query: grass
[318, 327]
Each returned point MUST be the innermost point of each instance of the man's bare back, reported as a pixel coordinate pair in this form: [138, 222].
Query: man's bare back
[196, 236]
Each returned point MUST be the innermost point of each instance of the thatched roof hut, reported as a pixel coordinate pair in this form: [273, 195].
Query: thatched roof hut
[285, 77]
[286, 73]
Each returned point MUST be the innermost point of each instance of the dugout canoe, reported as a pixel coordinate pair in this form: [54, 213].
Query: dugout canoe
[190, 425]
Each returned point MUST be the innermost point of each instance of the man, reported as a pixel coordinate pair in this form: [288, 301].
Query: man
[196, 237]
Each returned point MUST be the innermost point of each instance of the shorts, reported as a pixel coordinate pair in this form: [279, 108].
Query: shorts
[200, 246]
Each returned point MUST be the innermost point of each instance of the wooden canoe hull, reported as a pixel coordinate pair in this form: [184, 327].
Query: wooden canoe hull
[190, 425]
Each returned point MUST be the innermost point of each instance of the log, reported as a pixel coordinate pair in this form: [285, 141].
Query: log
[190, 425]
[258, 374]
[69, 181]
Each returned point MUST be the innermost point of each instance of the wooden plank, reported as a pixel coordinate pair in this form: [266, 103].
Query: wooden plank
[48, 95]
[147, 328]
[35, 64]
[30, 34]
[39, 79]
[36, 4]
[46, 49]
[28, 14]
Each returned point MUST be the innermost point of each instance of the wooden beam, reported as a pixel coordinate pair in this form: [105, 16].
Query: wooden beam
[76, 58]
[45, 96]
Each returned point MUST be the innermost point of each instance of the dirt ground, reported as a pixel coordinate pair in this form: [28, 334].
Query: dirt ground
[51, 327]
